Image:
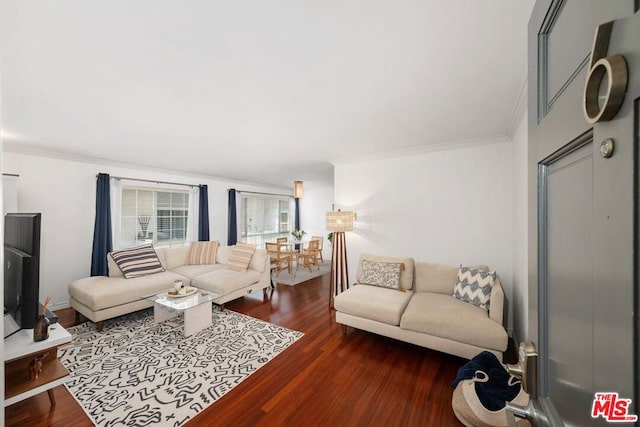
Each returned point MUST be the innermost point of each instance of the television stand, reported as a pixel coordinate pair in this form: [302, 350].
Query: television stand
[25, 359]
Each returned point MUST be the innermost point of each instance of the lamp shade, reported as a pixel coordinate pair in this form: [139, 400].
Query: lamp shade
[297, 189]
[340, 220]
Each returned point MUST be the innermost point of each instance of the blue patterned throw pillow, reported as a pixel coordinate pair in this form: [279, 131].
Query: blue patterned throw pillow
[474, 286]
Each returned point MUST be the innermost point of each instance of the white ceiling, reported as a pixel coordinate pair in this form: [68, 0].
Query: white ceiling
[263, 91]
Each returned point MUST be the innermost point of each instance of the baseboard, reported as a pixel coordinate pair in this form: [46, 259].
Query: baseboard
[59, 306]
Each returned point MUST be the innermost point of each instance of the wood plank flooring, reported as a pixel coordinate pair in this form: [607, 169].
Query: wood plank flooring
[325, 378]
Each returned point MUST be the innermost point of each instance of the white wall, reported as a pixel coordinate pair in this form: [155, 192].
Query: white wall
[64, 191]
[520, 234]
[317, 200]
[9, 193]
[453, 207]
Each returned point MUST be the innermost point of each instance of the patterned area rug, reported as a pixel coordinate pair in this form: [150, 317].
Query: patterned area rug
[302, 274]
[139, 373]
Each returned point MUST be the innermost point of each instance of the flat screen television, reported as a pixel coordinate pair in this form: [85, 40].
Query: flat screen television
[21, 271]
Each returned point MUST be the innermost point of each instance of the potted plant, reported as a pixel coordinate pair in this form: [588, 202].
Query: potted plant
[297, 234]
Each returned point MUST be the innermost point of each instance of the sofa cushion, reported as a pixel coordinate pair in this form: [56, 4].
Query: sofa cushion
[138, 261]
[240, 257]
[161, 256]
[222, 256]
[448, 317]
[406, 274]
[432, 277]
[474, 286]
[202, 253]
[259, 260]
[224, 281]
[174, 256]
[192, 271]
[371, 302]
[112, 267]
[101, 292]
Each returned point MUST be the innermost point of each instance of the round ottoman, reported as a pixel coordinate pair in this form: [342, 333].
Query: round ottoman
[470, 412]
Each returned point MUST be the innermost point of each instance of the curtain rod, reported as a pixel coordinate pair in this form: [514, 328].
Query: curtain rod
[258, 192]
[11, 174]
[153, 181]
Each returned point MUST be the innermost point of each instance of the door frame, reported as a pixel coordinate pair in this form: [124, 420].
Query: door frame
[636, 246]
[538, 150]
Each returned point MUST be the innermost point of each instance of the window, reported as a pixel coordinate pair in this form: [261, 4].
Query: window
[153, 216]
[264, 218]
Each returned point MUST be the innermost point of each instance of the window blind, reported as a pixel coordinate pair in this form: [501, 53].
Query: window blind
[264, 218]
[153, 216]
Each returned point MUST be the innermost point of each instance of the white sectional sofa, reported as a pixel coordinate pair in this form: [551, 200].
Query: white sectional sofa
[425, 313]
[100, 297]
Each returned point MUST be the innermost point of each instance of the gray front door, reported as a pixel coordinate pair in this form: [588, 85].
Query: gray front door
[583, 292]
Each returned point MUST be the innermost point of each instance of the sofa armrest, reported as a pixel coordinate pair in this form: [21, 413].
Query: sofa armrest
[496, 307]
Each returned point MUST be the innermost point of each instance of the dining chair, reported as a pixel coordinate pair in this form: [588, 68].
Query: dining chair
[320, 244]
[277, 257]
[285, 247]
[308, 256]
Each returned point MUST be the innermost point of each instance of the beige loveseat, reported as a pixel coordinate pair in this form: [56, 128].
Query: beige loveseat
[425, 313]
[100, 297]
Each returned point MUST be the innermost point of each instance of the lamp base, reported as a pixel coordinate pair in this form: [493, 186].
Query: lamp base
[339, 267]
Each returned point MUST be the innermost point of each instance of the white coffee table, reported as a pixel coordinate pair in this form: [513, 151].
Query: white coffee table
[195, 307]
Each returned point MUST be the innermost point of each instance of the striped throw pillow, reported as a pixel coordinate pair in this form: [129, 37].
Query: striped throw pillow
[203, 253]
[138, 261]
[240, 257]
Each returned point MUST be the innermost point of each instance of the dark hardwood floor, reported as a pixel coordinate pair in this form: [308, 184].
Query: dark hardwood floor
[325, 378]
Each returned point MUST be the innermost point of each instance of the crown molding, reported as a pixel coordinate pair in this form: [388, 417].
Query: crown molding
[21, 148]
[519, 110]
[412, 151]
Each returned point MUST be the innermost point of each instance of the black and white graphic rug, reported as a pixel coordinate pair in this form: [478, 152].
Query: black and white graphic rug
[138, 373]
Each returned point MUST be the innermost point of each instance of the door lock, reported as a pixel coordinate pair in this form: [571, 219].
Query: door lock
[606, 148]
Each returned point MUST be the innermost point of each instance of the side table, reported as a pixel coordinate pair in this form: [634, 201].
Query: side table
[25, 359]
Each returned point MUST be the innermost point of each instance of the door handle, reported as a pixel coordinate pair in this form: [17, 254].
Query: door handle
[527, 368]
[527, 371]
[514, 410]
[533, 412]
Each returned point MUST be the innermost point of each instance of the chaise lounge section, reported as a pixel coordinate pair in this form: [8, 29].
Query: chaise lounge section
[100, 298]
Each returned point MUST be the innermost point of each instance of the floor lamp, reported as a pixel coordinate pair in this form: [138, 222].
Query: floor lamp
[338, 222]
